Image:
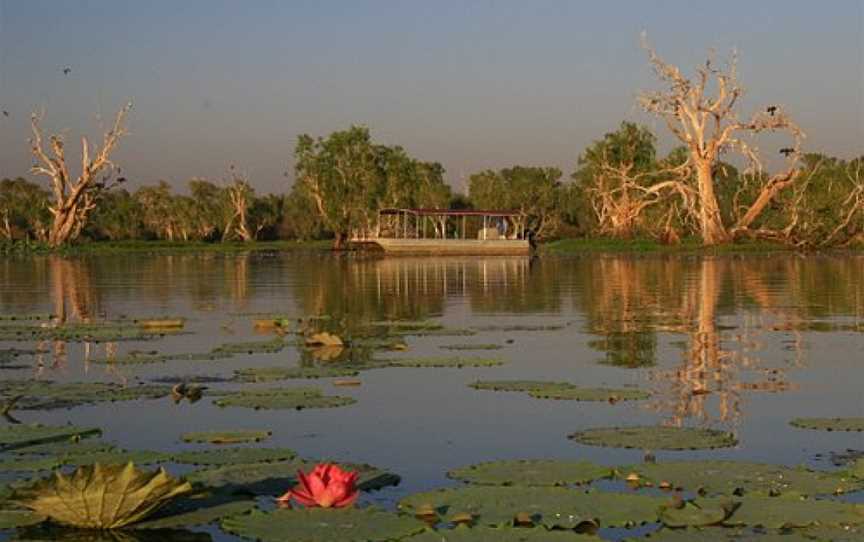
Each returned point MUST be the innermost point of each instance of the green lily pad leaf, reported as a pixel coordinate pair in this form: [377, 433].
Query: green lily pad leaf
[10, 519]
[522, 472]
[115, 457]
[542, 389]
[777, 513]
[45, 395]
[857, 469]
[833, 534]
[256, 347]
[701, 513]
[277, 477]
[455, 362]
[271, 374]
[282, 398]
[76, 332]
[48, 532]
[734, 477]
[226, 437]
[655, 438]
[460, 347]
[232, 456]
[66, 448]
[830, 424]
[197, 510]
[720, 534]
[13, 437]
[506, 534]
[29, 464]
[323, 525]
[548, 506]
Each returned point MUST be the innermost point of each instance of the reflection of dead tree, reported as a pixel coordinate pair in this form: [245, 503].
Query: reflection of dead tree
[709, 126]
[74, 199]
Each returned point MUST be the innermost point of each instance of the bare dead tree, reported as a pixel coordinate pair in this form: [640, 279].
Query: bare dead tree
[853, 205]
[708, 124]
[620, 192]
[239, 193]
[75, 198]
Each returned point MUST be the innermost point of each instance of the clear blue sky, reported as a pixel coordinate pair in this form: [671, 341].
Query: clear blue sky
[472, 84]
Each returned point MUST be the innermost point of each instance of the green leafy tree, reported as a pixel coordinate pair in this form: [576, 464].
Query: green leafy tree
[24, 210]
[532, 191]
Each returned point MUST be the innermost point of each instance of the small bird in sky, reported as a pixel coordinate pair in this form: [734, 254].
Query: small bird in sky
[67, 70]
[786, 151]
[5, 113]
[771, 110]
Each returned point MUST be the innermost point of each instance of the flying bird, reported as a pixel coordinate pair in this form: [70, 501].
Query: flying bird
[771, 110]
[67, 70]
[786, 151]
[5, 113]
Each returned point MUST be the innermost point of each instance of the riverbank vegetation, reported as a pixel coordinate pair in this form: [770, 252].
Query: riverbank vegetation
[713, 189]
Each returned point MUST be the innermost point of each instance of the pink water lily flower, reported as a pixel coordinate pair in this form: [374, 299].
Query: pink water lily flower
[326, 486]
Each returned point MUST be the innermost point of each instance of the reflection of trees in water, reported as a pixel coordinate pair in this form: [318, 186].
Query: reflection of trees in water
[628, 301]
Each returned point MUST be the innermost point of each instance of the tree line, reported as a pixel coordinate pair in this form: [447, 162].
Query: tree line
[716, 185]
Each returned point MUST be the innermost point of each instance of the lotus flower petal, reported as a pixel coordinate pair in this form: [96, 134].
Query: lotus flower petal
[326, 486]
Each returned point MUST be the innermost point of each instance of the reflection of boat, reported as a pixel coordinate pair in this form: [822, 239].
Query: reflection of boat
[447, 231]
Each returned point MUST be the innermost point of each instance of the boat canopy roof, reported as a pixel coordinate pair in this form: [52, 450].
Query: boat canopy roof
[446, 212]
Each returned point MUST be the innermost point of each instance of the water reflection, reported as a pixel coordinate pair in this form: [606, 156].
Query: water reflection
[703, 331]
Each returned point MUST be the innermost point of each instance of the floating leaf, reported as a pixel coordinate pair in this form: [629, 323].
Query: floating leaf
[457, 362]
[275, 478]
[830, 424]
[45, 395]
[234, 455]
[271, 374]
[505, 534]
[48, 532]
[256, 347]
[703, 513]
[101, 497]
[777, 512]
[542, 389]
[553, 506]
[21, 436]
[162, 323]
[197, 510]
[73, 447]
[25, 464]
[10, 519]
[735, 477]
[282, 398]
[655, 438]
[226, 437]
[486, 346]
[323, 525]
[523, 472]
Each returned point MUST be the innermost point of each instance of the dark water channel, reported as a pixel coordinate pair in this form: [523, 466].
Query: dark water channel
[760, 339]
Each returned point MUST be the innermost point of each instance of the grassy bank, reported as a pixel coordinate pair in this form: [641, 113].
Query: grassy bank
[107, 247]
[692, 245]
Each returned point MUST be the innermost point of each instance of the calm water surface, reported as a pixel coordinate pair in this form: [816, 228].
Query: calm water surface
[771, 337]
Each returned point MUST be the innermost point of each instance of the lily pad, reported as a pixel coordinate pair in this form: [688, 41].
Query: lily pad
[542, 389]
[282, 398]
[271, 374]
[323, 525]
[547, 506]
[455, 361]
[655, 438]
[735, 477]
[703, 513]
[232, 456]
[226, 437]
[45, 395]
[81, 447]
[275, 478]
[197, 510]
[49, 532]
[720, 534]
[506, 534]
[20, 436]
[486, 346]
[255, 347]
[10, 519]
[777, 512]
[29, 464]
[522, 472]
[830, 424]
